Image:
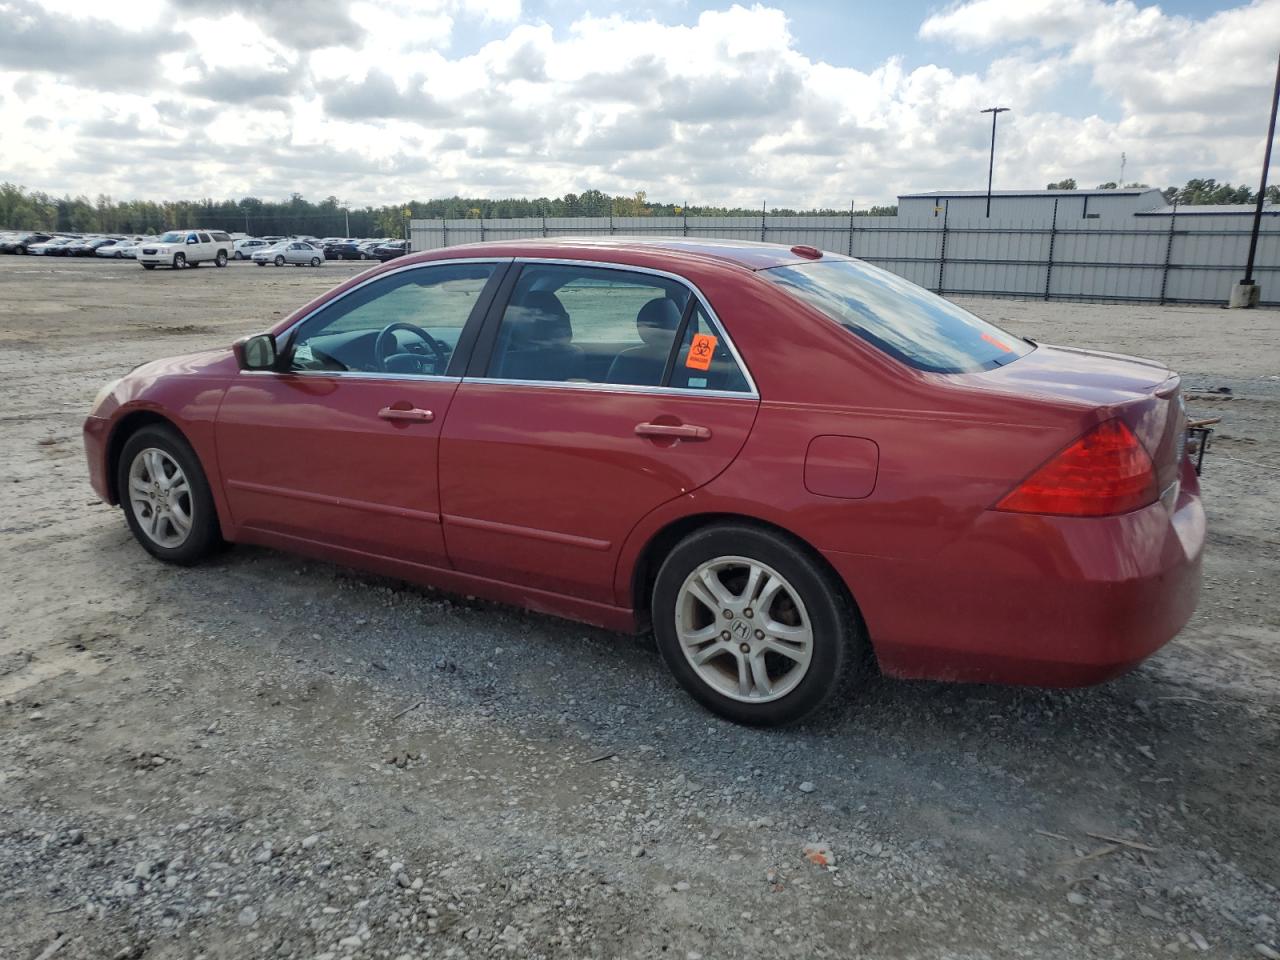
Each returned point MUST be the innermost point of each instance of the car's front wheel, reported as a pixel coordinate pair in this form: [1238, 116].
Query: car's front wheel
[753, 626]
[166, 497]
[279, 261]
[315, 261]
[238, 255]
[179, 261]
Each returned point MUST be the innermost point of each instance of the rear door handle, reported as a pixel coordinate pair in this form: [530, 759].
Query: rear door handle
[677, 431]
[414, 414]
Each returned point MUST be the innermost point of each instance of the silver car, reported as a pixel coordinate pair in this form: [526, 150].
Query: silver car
[298, 252]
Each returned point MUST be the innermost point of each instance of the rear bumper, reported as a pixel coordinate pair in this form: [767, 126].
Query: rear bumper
[96, 432]
[1048, 601]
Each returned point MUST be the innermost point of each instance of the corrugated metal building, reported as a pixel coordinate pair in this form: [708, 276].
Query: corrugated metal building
[1030, 204]
[1212, 210]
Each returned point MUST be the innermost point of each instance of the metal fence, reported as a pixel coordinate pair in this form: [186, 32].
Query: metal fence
[1187, 258]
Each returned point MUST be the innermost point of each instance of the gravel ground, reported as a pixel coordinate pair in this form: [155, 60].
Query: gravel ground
[265, 757]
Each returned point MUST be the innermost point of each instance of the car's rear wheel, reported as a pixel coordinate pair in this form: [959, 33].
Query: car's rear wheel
[315, 261]
[166, 497]
[179, 261]
[221, 259]
[752, 626]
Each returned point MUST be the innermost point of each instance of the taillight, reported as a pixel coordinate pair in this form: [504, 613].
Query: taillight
[1105, 472]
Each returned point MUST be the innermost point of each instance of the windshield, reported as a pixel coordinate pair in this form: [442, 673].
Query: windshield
[906, 321]
[174, 236]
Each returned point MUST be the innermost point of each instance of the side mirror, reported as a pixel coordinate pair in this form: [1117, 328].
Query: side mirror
[256, 353]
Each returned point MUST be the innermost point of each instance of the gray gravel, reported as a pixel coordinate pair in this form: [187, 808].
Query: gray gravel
[266, 757]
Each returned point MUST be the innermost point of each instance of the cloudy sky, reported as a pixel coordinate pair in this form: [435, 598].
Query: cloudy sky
[793, 102]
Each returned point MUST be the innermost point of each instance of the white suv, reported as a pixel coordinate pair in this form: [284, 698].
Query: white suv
[186, 248]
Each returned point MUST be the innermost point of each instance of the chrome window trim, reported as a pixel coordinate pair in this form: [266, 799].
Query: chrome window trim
[352, 375]
[617, 388]
[751, 393]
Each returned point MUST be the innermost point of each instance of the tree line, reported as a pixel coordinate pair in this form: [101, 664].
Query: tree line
[1196, 192]
[22, 209]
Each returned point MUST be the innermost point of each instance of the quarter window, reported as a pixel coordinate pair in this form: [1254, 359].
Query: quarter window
[406, 323]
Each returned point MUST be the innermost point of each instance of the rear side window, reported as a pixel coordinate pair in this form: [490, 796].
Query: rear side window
[584, 324]
[907, 322]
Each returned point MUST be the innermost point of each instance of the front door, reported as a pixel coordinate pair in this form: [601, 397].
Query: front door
[587, 416]
[339, 446]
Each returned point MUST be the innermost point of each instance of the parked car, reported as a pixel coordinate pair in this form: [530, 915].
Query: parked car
[297, 252]
[366, 248]
[89, 246]
[244, 249]
[118, 249]
[791, 461]
[390, 250]
[50, 248]
[342, 250]
[186, 248]
[19, 243]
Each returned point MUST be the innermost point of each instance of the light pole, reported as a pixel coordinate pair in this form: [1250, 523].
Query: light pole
[1246, 293]
[991, 164]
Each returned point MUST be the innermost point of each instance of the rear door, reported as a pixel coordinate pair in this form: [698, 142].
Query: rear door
[553, 451]
[339, 446]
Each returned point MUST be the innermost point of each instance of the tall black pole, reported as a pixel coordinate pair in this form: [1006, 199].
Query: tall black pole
[991, 163]
[1262, 189]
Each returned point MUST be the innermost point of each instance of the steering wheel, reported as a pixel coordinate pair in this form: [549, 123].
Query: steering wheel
[387, 347]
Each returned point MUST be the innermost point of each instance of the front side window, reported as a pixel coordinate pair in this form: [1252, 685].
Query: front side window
[584, 324]
[406, 323]
[904, 320]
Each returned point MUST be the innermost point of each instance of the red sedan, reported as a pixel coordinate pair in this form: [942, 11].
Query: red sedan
[791, 464]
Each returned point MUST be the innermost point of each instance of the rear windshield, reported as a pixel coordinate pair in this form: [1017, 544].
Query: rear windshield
[905, 321]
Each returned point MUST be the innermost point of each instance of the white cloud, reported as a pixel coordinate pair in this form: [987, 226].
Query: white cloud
[367, 101]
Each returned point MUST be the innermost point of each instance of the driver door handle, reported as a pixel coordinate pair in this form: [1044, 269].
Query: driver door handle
[414, 414]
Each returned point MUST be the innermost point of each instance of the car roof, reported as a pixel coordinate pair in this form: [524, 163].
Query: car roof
[744, 253]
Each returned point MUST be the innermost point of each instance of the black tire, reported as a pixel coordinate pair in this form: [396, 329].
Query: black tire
[148, 266]
[315, 261]
[20, 251]
[221, 259]
[237, 255]
[179, 261]
[839, 645]
[259, 263]
[279, 261]
[204, 537]
[193, 264]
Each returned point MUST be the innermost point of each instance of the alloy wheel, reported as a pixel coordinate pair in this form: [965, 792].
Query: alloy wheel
[160, 496]
[744, 629]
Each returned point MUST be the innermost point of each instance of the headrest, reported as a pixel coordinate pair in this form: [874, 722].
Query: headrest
[657, 322]
[540, 318]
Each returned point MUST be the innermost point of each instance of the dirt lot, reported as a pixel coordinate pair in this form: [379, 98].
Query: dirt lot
[218, 762]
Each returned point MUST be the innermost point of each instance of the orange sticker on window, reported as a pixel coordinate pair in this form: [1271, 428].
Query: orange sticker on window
[996, 343]
[701, 351]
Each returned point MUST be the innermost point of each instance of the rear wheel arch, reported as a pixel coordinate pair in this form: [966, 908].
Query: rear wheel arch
[650, 559]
